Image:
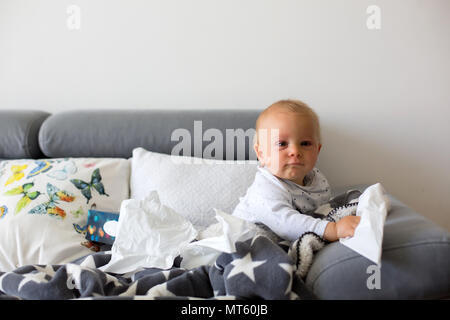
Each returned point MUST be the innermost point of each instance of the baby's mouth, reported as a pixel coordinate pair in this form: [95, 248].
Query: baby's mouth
[295, 164]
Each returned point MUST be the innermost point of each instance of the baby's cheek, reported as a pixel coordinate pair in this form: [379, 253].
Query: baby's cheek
[275, 166]
[273, 169]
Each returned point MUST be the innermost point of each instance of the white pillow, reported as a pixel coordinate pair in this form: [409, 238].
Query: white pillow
[44, 205]
[191, 186]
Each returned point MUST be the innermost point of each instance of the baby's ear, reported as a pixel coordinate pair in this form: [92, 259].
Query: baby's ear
[256, 148]
[259, 153]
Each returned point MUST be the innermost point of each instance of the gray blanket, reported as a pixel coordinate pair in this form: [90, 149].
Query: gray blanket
[264, 267]
[259, 269]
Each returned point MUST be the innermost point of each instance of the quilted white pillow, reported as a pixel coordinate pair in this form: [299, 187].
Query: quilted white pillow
[192, 187]
[44, 205]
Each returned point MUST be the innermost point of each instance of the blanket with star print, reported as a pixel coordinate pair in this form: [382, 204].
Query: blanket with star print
[258, 269]
[263, 267]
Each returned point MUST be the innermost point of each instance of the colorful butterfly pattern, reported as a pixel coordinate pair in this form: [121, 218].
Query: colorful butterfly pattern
[50, 207]
[77, 213]
[3, 211]
[17, 173]
[79, 229]
[27, 195]
[28, 180]
[42, 166]
[86, 187]
[69, 169]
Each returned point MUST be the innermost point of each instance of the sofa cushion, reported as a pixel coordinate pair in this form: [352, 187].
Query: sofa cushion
[415, 263]
[19, 133]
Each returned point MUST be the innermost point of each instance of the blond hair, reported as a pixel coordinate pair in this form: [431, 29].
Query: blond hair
[292, 105]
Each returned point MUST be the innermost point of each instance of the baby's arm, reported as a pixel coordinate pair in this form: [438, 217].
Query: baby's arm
[287, 222]
[341, 229]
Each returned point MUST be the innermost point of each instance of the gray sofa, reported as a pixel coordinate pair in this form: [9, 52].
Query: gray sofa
[416, 252]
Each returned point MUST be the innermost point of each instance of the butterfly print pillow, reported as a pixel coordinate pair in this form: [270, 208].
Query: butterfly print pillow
[44, 205]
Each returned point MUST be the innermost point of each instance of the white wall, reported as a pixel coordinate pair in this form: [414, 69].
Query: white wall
[383, 95]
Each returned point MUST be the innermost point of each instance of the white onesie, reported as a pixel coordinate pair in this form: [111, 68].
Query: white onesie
[280, 204]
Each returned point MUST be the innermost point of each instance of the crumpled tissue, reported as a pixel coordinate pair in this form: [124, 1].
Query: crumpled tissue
[216, 239]
[373, 207]
[148, 234]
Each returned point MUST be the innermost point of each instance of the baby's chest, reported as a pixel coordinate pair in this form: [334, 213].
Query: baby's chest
[304, 202]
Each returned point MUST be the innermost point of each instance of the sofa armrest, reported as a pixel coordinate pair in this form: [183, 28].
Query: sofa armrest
[415, 262]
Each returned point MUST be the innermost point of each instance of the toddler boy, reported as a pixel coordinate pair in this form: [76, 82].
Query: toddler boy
[287, 185]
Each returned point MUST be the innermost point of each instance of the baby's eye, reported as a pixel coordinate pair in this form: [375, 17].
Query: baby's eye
[306, 143]
[281, 143]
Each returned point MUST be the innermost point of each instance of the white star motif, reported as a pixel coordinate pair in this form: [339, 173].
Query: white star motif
[88, 262]
[289, 269]
[37, 277]
[110, 278]
[1, 280]
[294, 296]
[246, 266]
[166, 274]
[253, 240]
[48, 269]
[73, 272]
[159, 290]
[285, 243]
[131, 291]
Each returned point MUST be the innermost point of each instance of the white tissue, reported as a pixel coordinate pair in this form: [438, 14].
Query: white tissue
[367, 240]
[217, 238]
[149, 234]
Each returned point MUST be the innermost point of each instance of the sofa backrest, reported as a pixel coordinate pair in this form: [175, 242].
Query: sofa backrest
[19, 134]
[115, 133]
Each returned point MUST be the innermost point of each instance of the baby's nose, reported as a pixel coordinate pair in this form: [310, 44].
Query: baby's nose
[295, 150]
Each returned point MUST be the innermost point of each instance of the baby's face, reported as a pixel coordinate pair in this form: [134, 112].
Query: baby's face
[288, 145]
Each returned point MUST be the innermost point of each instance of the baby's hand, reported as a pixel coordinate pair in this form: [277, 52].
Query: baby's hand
[346, 226]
